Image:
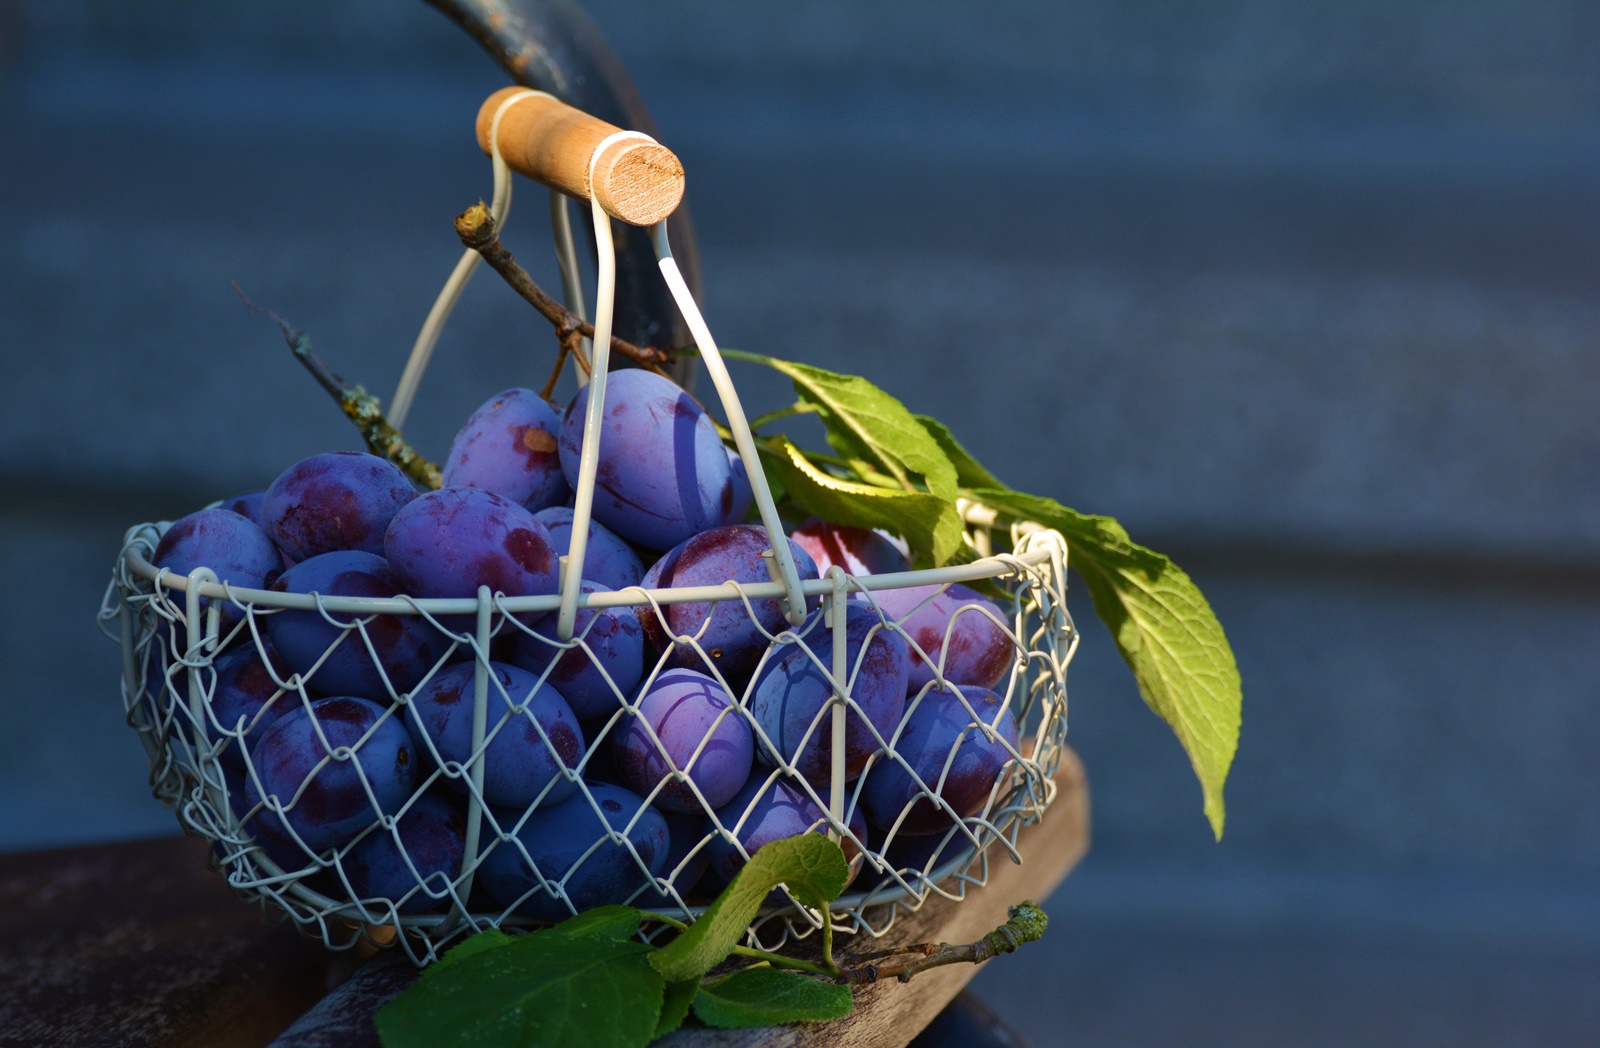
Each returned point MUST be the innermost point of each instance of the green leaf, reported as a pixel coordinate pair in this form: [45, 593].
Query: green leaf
[866, 424]
[603, 922]
[929, 523]
[676, 1004]
[767, 997]
[1165, 629]
[541, 989]
[969, 471]
[813, 867]
[484, 940]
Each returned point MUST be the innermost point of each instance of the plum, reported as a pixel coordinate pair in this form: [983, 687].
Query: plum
[336, 500]
[941, 738]
[558, 840]
[734, 638]
[662, 473]
[246, 699]
[406, 646]
[594, 682]
[247, 505]
[327, 764]
[769, 810]
[792, 691]
[449, 542]
[686, 861]
[607, 559]
[743, 493]
[859, 551]
[518, 764]
[508, 446]
[238, 551]
[433, 833]
[977, 652]
[701, 733]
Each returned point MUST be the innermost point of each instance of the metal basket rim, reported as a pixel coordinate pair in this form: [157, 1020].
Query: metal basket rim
[991, 567]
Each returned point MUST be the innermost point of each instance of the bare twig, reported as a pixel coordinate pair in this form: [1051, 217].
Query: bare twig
[1027, 923]
[569, 347]
[476, 228]
[359, 406]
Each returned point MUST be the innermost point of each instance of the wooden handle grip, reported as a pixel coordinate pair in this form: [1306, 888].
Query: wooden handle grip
[637, 181]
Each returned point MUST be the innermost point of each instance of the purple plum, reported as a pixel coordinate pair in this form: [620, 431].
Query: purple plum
[449, 542]
[559, 839]
[662, 473]
[791, 697]
[433, 833]
[247, 505]
[733, 640]
[518, 764]
[336, 500]
[594, 682]
[941, 739]
[769, 810]
[607, 559]
[978, 651]
[246, 698]
[859, 551]
[509, 446]
[326, 764]
[701, 733]
[238, 551]
[406, 646]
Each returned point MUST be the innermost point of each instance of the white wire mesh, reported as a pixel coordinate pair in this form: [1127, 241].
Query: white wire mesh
[183, 638]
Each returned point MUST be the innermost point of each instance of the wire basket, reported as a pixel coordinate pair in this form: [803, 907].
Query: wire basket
[184, 640]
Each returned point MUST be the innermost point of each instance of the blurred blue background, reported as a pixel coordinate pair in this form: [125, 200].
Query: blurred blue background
[1307, 295]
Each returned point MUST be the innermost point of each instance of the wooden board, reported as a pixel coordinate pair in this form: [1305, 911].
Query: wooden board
[139, 943]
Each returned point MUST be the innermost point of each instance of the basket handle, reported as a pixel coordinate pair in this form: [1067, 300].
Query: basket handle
[780, 566]
[636, 180]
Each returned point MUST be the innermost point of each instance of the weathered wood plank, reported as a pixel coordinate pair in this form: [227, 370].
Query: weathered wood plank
[138, 943]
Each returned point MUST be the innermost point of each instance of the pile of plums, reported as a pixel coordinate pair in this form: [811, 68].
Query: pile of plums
[665, 740]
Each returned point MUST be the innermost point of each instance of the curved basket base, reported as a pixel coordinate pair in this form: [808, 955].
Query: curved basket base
[1053, 846]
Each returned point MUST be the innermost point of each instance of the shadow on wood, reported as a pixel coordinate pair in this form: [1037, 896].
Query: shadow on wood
[140, 943]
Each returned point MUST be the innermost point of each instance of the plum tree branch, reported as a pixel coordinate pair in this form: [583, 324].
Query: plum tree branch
[477, 229]
[359, 406]
[569, 347]
[1026, 924]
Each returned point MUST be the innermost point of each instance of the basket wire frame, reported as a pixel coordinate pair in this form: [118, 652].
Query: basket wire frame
[173, 629]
